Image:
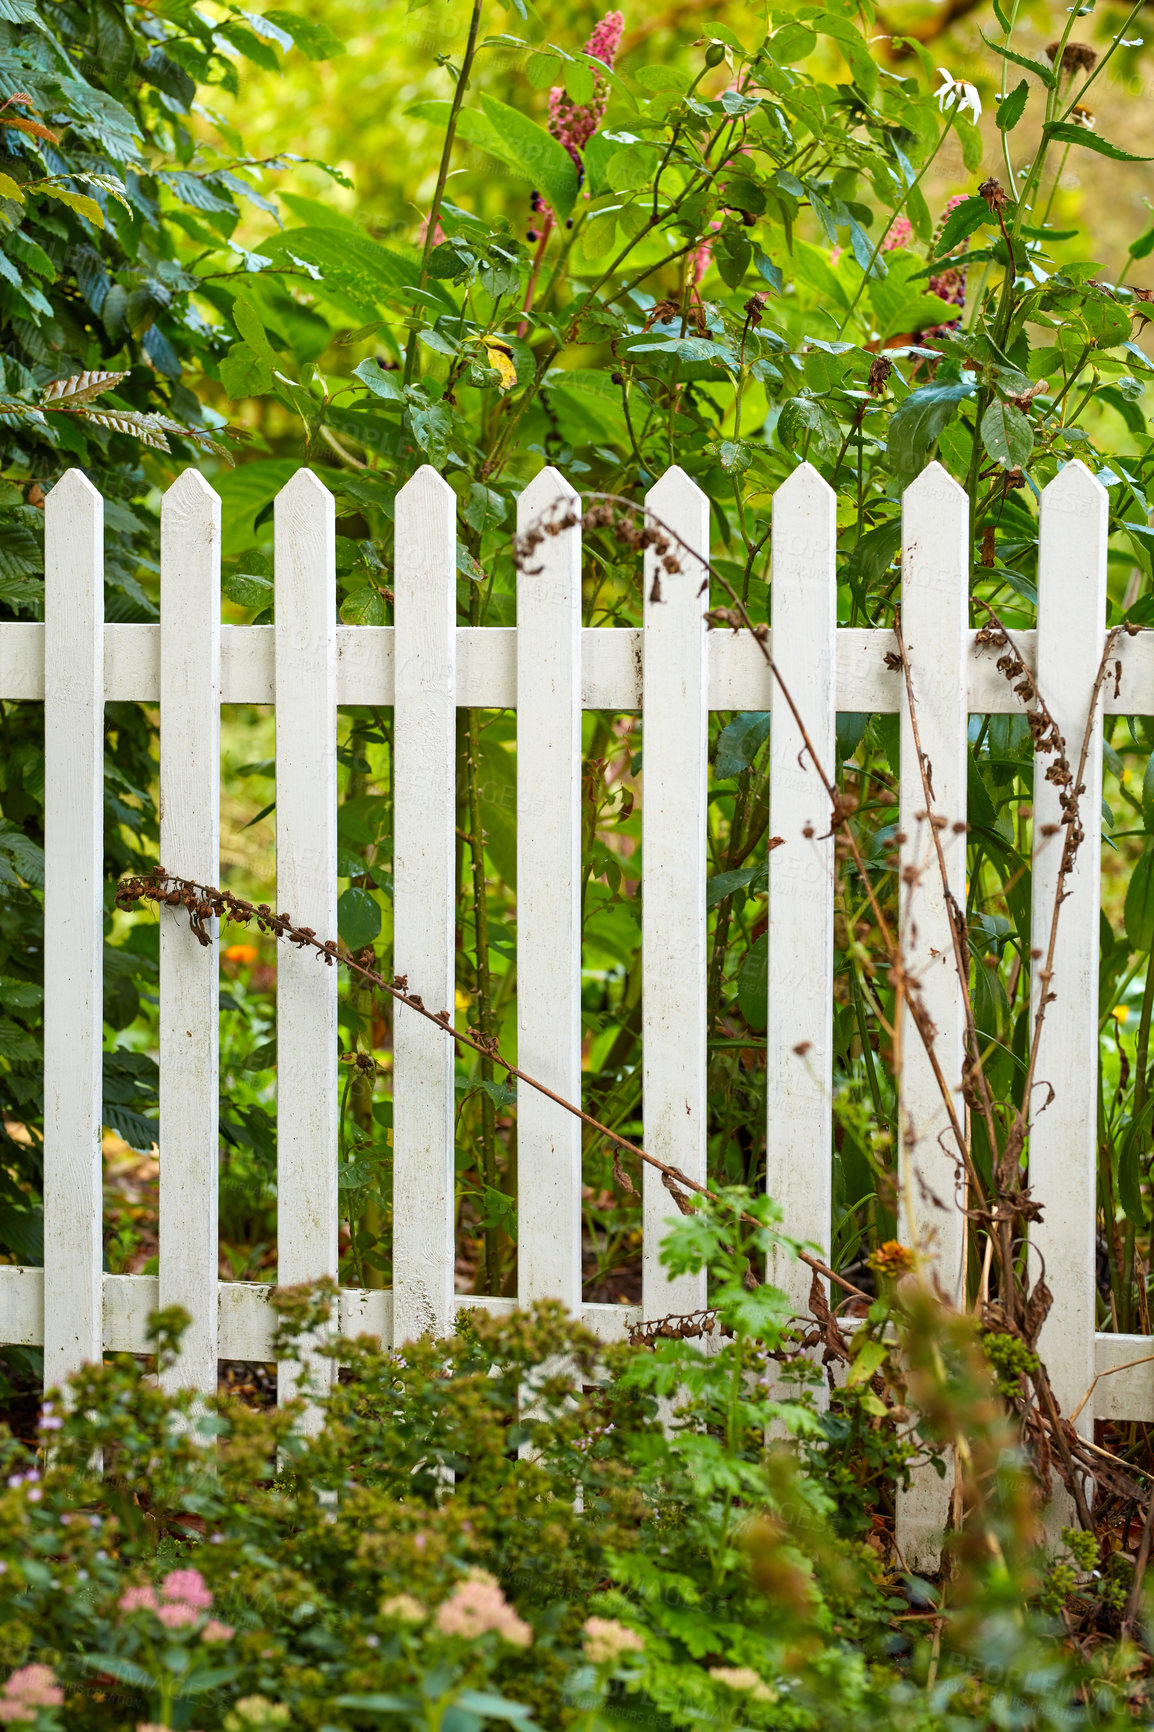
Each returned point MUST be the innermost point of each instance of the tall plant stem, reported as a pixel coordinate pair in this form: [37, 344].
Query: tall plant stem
[487, 1022]
[894, 215]
[443, 172]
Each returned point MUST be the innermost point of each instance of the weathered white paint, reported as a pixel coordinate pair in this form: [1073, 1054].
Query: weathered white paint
[189, 1019]
[305, 598]
[799, 1031]
[1063, 1130]
[73, 921]
[429, 666]
[549, 897]
[935, 602]
[424, 848]
[487, 668]
[673, 870]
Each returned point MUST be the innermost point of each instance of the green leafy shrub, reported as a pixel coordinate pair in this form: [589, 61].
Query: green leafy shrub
[521, 1526]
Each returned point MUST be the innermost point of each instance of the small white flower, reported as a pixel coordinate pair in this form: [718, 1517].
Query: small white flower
[955, 94]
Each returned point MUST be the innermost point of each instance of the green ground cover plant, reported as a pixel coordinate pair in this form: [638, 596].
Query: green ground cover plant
[505, 1528]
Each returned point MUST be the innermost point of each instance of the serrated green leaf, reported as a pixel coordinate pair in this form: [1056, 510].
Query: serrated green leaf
[916, 424]
[1065, 132]
[1010, 111]
[1007, 435]
[963, 221]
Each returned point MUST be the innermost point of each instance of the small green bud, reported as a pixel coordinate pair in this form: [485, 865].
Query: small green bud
[715, 54]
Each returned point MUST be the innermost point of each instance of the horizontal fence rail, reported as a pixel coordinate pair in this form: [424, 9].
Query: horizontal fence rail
[547, 668]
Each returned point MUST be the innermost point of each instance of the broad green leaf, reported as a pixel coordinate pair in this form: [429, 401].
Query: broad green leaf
[869, 1359]
[248, 591]
[380, 383]
[76, 201]
[740, 742]
[1106, 323]
[1007, 435]
[916, 424]
[244, 373]
[358, 917]
[1139, 916]
[313, 37]
[1009, 112]
[516, 141]
[364, 607]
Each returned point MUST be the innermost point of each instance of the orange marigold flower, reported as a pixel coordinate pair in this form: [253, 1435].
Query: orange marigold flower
[244, 954]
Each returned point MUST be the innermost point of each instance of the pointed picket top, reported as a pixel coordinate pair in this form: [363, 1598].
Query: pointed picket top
[674, 488]
[933, 479]
[1074, 489]
[424, 488]
[804, 485]
[304, 487]
[74, 489]
[547, 491]
[190, 486]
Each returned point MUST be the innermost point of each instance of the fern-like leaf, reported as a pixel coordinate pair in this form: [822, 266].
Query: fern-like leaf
[80, 388]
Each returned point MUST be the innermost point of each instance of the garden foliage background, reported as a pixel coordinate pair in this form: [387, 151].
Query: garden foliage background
[680, 258]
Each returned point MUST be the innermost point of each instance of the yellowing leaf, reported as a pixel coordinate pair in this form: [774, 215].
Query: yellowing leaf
[77, 201]
[11, 189]
[501, 361]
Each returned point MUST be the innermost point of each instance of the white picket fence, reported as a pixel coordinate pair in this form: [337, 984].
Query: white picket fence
[675, 671]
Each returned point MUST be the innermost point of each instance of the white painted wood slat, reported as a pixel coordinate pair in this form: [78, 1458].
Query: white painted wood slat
[549, 897]
[189, 1018]
[73, 922]
[673, 871]
[799, 1032]
[935, 600]
[306, 848]
[425, 722]
[1063, 1133]
[935, 605]
[487, 668]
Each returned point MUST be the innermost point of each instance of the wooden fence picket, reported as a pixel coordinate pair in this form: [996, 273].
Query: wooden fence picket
[935, 605]
[73, 1326]
[305, 598]
[934, 619]
[424, 853]
[1064, 1129]
[799, 973]
[549, 669]
[189, 1016]
[674, 795]
[549, 898]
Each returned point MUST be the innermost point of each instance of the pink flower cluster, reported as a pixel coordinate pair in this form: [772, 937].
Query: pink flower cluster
[28, 1689]
[573, 124]
[606, 1641]
[184, 1595]
[477, 1606]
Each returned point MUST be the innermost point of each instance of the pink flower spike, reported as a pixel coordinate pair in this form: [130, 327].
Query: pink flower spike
[29, 1688]
[606, 38]
[177, 1615]
[137, 1600]
[188, 1586]
[215, 1631]
[900, 235]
